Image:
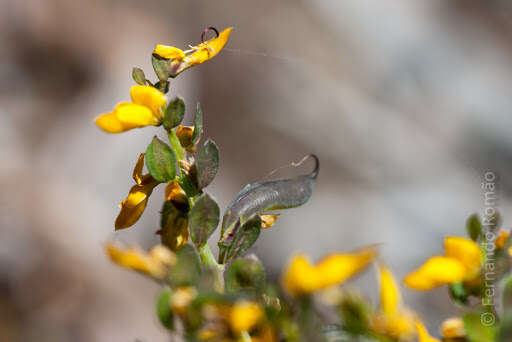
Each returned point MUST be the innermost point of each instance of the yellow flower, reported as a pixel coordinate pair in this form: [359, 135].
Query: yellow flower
[303, 278]
[423, 335]
[394, 320]
[135, 203]
[244, 316]
[462, 262]
[144, 110]
[501, 241]
[155, 263]
[182, 60]
[181, 299]
[453, 328]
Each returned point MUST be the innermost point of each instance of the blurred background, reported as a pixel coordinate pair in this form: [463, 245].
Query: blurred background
[407, 104]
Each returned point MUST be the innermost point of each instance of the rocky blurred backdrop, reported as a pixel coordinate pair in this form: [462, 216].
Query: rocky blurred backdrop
[407, 103]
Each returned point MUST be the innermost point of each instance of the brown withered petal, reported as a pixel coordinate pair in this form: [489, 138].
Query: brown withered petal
[134, 204]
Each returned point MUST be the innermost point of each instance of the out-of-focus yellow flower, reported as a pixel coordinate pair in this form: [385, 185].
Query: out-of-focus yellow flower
[244, 316]
[134, 204]
[155, 263]
[501, 241]
[453, 328]
[181, 298]
[144, 110]
[303, 278]
[423, 335]
[462, 262]
[182, 60]
[394, 320]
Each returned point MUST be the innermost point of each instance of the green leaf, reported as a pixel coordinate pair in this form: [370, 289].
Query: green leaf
[174, 113]
[356, 313]
[187, 185]
[161, 161]
[176, 145]
[245, 274]
[203, 219]
[480, 327]
[138, 76]
[162, 67]
[240, 240]
[163, 308]
[198, 125]
[187, 269]
[207, 164]
[474, 227]
[459, 293]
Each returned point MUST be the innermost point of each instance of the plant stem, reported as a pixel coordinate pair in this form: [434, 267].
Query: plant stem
[208, 259]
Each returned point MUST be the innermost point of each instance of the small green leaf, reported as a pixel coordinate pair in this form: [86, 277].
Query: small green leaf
[480, 327]
[138, 76]
[163, 308]
[162, 67]
[356, 313]
[187, 269]
[458, 293]
[187, 185]
[245, 274]
[474, 227]
[161, 161]
[203, 219]
[207, 164]
[240, 240]
[198, 125]
[174, 113]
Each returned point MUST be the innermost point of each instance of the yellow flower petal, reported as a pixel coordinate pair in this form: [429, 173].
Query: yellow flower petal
[501, 240]
[466, 251]
[163, 255]
[134, 116]
[134, 204]
[181, 299]
[109, 123]
[390, 298]
[268, 221]
[149, 97]
[173, 192]
[206, 50]
[436, 271]
[423, 335]
[453, 328]
[337, 268]
[400, 326]
[302, 278]
[169, 52]
[138, 260]
[137, 170]
[244, 316]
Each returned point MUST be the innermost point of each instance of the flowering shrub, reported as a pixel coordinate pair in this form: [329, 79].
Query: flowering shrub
[228, 298]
